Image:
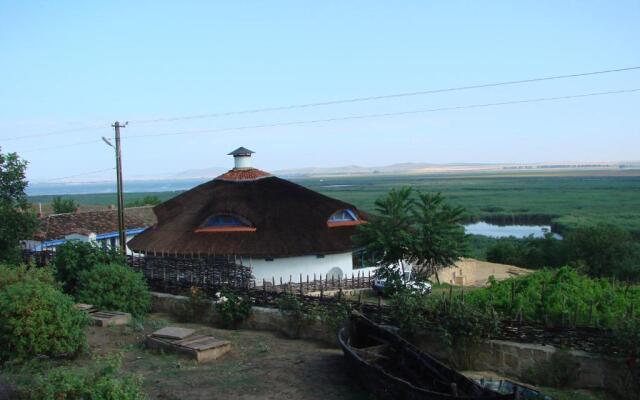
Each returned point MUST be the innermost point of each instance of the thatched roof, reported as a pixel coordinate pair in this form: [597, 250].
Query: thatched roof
[290, 220]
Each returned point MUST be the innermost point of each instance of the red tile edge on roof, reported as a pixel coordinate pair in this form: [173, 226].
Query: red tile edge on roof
[250, 174]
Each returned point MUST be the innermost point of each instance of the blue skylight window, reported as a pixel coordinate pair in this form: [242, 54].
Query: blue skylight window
[343, 216]
[224, 220]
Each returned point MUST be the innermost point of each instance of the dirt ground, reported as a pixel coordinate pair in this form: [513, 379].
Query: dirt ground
[472, 272]
[261, 365]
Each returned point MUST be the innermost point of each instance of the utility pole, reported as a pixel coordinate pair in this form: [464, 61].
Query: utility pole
[122, 238]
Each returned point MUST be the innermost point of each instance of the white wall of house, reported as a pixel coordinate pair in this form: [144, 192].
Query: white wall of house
[306, 265]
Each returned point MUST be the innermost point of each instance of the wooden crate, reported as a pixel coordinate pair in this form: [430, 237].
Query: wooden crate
[201, 348]
[110, 318]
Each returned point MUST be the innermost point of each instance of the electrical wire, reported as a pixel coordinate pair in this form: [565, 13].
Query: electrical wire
[380, 97]
[58, 132]
[353, 117]
[60, 146]
[77, 175]
[390, 114]
[328, 103]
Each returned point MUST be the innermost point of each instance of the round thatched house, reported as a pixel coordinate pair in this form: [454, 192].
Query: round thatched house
[278, 228]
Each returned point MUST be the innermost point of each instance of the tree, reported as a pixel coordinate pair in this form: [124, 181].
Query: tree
[149, 200]
[388, 237]
[425, 232]
[18, 221]
[605, 251]
[439, 239]
[61, 206]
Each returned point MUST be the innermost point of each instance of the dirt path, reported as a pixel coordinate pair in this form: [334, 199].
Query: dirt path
[261, 365]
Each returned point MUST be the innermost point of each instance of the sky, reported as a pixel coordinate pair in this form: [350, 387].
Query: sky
[69, 69]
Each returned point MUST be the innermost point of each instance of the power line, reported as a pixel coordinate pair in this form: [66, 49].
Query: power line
[382, 97]
[353, 117]
[390, 114]
[58, 132]
[327, 103]
[77, 175]
[60, 146]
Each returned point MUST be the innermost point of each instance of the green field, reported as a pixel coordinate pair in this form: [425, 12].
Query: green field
[567, 200]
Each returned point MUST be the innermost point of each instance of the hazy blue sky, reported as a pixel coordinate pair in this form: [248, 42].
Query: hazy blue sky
[65, 65]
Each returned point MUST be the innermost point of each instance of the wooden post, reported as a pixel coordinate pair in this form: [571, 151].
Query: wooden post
[301, 290]
[264, 286]
[513, 294]
[307, 282]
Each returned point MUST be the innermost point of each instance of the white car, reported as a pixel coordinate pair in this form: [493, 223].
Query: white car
[379, 285]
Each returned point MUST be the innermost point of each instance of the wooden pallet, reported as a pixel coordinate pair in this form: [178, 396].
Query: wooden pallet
[201, 348]
[109, 318]
[88, 308]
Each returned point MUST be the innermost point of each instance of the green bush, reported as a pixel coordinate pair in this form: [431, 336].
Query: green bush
[196, 309]
[14, 274]
[99, 382]
[232, 308]
[37, 319]
[559, 297]
[114, 287]
[73, 257]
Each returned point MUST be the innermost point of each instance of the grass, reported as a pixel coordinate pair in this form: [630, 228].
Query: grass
[568, 200]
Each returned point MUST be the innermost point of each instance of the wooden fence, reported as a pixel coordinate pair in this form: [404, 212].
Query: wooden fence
[177, 274]
[305, 283]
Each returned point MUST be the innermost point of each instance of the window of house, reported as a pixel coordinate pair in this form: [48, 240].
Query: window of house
[343, 216]
[224, 220]
[362, 259]
[226, 223]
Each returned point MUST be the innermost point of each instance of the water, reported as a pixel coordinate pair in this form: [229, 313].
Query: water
[167, 185]
[500, 231]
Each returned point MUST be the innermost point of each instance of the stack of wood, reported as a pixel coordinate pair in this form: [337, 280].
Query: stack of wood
[201, 348]
[104, 318]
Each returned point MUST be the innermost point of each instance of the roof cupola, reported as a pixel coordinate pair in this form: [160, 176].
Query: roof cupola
[241, 158]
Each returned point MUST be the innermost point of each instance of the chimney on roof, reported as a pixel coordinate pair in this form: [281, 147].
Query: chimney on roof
[242, 158]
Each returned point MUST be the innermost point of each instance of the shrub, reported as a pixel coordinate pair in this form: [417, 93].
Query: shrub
[10, 275]
[410, 312]
[61, 205]
[72, 258]
[232, 308]
[559, 297]
[194, 310]
[114, 287]
[37, 319]
[99, 382]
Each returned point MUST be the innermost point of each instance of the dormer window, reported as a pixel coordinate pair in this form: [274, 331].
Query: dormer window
[226, 223]
[344, 217]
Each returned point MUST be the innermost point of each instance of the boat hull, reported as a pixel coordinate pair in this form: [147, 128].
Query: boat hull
[406, 372]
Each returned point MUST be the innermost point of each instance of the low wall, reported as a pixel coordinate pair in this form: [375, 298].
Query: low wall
[260, 319]
[518, 360]
[512, 359]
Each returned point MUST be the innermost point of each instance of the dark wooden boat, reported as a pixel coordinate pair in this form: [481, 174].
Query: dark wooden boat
[393, 368]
